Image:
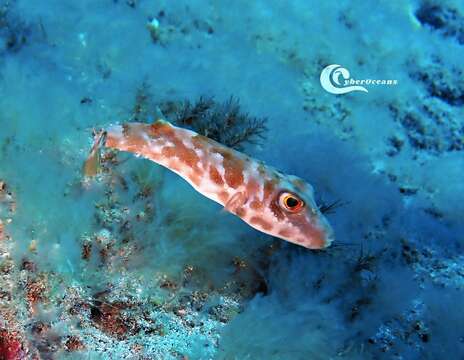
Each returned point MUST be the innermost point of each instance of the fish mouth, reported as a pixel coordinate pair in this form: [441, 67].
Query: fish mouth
[329, 237]
[327, 231]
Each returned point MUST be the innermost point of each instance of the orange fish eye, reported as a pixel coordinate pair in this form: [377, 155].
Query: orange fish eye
[290, 202]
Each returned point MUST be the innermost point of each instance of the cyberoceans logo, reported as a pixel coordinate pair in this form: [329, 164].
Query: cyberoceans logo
[337, 80]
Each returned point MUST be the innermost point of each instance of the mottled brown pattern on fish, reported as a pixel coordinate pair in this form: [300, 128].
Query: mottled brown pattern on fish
[276, 210]
[256, 205]
[188, 156]
[200, 141]
[195, 178]
[261, 223]
[174, 165]
[223, 197]
[133, 136]
[252, 187]
[285, 233]
[155, 156]
[168, 151]
[233, 167]
[241, 212]
[269, 188]
[161, 129]
[205, 161]
[215, 176]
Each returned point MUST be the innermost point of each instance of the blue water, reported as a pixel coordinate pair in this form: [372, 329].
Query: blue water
[135, 264]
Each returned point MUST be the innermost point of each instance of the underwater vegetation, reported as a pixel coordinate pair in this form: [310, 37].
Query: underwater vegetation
[223, 122]
[135, 264]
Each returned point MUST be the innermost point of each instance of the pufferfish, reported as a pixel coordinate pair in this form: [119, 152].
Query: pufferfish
[268, 200]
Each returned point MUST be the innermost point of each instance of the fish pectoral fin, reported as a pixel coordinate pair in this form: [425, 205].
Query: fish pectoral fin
[236, 201]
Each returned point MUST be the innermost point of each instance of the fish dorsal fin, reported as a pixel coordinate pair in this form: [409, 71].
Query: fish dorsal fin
[161, 121]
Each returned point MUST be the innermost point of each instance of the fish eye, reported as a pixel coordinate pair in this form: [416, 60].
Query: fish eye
[290, 202]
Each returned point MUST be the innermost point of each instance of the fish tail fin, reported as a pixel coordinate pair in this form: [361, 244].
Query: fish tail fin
[92, 165]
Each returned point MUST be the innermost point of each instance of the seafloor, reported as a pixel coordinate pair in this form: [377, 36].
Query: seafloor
[134, 264]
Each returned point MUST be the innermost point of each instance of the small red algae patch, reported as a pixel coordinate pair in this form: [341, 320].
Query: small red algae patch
[10, 346]
[36, 290]
[73, 343]
[109, 318]
[86, 251]
[2, 231]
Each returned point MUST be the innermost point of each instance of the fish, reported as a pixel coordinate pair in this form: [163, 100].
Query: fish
[272, 202]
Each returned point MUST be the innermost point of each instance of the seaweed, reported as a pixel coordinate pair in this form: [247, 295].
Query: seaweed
[222, 122]
[143, 103]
